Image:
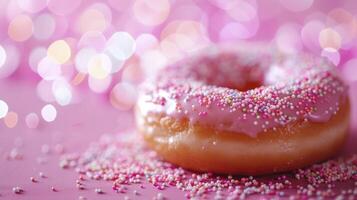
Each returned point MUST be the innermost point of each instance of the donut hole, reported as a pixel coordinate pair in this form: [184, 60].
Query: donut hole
[224, 71]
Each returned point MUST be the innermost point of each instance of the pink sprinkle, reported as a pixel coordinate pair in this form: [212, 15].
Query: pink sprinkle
[53, 189]
[33, 179]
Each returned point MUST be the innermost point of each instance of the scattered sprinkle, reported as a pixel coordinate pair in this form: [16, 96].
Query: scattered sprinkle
[127, 161]
[17, 190]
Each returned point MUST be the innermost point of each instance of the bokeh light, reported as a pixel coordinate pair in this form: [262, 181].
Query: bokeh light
[62, 92]
[11, 119]
[44, 91]
[99, 66]
[92, 39]
[32, 120]
[49, 69]
[123, 96]
[297, 6]
[288, 39]
[36, 55]
[332, 55]
[4, 108]
[349, 70]
[49, 113]
[149, 13]
[63, 7]
[59, 51]
[112, 46]
[310, 34]
[92, 20]
[82, 59]
[20, 28]
[2, 56]
[330, 38]
[12, 60]
[99, 85]
[44, 26]
[32, 6]
[121, 45]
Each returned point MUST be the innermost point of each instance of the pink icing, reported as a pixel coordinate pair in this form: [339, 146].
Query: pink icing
[292, 88]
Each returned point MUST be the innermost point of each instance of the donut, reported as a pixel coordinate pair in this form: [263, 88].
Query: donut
[247, 110]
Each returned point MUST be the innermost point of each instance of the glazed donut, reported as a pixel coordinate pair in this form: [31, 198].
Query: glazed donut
[245, 111]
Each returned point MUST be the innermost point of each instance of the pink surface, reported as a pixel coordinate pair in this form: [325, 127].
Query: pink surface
[76, 127]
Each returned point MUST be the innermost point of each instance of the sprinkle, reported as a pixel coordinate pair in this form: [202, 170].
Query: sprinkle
[33, 179]
[17, 190]
[128, 161]
[42, 175]
[54, 189]
[81, 198]
[98, 191]
[80, 186]
[205, 86]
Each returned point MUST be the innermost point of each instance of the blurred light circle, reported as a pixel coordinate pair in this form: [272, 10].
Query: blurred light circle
[117, 65]
[120, 5]
[63, 7]
[121, 45]
[189, 11]
[151, 14]
[152, 61]
[105, 10]
[32, 120]
[44, 91]
[49, 69]
[92, 39]
[82, 59]
[234, 31]
[44, 26]
[32, 6]
[183, 36]
[62, 26]
[11, 9]
[20, 28]
[59, 51]
[2, 56]
[288, 38]
[349, 70]
[145, 42]
[11, 119]
[49, 113]
[242, 11]
[329, 38]
[133, 73]
[11, 62]
[224, 4]
[4, 108]
[310, 34]
[332, 55]
[92, 20]
[62, 92]
[123, 96]
[78, 79]
[99, 85]
[36, 55]
[297, 6]
[345, 24]
[99, 66]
